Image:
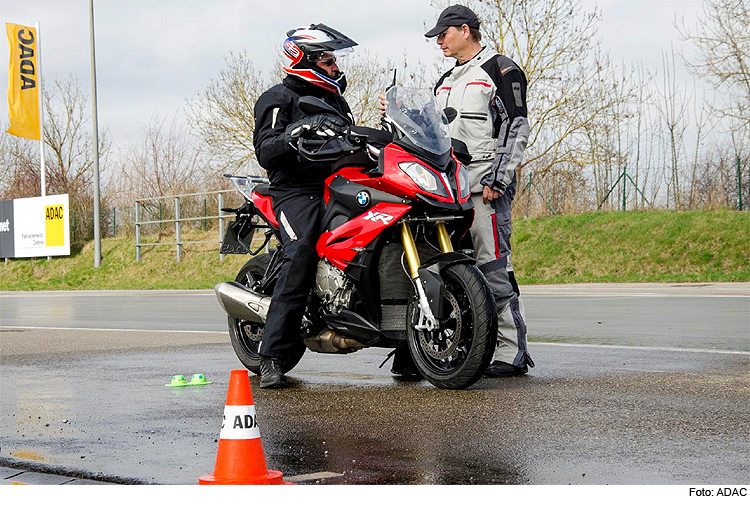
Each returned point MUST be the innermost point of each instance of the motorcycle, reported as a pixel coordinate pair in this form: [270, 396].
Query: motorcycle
[396, 205]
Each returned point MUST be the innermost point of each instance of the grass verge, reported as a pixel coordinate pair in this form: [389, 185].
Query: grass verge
[596, 247]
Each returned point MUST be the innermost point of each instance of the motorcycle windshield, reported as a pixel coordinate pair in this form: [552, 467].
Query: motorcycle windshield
[417, 114]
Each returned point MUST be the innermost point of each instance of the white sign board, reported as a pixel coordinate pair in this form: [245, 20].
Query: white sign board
[39, 227]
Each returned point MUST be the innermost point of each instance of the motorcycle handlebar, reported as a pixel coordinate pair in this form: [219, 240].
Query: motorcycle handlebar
[354, 139]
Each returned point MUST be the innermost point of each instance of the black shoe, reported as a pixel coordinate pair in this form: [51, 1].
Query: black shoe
[270, 373]
[498, 369]
[403, 365]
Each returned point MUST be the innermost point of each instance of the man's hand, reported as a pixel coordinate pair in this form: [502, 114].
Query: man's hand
[489, 194]
[319, 125]
[382, 102]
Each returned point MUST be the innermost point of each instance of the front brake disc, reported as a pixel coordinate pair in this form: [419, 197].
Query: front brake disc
[440, 343]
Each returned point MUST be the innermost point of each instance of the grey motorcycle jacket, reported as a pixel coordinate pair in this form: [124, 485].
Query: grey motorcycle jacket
[489, 94]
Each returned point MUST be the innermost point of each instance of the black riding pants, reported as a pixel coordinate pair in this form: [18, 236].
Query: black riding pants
[299, 222]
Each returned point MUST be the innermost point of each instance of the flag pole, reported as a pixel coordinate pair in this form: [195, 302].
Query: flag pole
[42, 168]
[94, 117]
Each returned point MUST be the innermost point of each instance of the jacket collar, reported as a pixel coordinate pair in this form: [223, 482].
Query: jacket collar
[303, 88]
[478, 57]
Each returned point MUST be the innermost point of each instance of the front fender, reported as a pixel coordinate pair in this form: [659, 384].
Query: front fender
[430, 274]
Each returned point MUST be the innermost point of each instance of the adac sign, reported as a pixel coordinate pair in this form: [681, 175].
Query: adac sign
[34, 227]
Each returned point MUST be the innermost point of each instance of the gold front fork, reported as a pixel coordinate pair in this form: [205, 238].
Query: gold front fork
[443, 238]
[410, 248]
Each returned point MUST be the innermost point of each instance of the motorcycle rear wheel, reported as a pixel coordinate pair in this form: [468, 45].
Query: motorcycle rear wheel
[455, 355]
[246, 335]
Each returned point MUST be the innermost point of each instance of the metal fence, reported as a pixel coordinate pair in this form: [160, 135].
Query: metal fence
[146, 216]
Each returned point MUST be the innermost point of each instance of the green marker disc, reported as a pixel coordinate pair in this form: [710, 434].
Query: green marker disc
[178, 380]
[199, 379]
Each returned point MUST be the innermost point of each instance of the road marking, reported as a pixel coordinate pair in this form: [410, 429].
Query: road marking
[110, 329]
[644, 348]
[102, 293]
[310, 477]
[564, 344]
[627, 296]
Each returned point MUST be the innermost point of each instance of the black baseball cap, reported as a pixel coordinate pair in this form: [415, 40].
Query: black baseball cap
[454, 16]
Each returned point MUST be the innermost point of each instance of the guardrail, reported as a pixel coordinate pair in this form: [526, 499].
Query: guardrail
[178, 220]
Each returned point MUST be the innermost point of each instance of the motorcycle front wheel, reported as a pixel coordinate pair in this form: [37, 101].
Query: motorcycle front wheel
[246, 335]
[456, 354]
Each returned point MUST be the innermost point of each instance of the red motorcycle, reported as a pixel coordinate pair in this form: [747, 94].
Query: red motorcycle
[397, 204]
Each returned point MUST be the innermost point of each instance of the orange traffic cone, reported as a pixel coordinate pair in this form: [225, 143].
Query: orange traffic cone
[240, 459]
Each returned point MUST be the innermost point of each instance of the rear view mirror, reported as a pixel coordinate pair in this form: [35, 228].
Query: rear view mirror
[311, 105]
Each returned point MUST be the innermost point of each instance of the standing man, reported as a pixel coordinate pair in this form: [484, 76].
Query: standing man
[489, 93]
[309, 56]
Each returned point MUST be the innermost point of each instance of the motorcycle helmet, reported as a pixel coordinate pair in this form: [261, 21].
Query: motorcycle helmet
[304, 45]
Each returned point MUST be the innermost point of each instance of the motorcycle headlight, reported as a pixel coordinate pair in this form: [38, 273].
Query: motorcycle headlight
[464, 186]
[424, 178]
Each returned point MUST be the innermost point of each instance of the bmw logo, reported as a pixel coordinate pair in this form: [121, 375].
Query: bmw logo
[363, 198]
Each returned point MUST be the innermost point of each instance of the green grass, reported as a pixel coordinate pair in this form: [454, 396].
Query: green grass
[596, 247]
[200, 267]
[649, 246]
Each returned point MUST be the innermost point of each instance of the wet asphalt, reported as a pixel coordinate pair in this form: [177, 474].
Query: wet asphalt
[628, 389]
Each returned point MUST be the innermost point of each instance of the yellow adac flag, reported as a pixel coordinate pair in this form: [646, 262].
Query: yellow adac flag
[23, 82]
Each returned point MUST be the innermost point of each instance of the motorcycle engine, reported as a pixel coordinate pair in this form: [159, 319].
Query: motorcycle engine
[333, 287]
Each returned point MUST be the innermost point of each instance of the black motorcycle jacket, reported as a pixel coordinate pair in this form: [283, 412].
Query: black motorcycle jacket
[274, 111]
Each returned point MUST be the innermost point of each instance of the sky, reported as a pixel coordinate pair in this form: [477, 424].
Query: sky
[152, 55]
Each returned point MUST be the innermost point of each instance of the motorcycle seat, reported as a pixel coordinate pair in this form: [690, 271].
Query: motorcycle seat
[264, 189]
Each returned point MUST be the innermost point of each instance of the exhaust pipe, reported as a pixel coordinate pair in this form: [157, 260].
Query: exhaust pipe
[331, 342]
[242, 303]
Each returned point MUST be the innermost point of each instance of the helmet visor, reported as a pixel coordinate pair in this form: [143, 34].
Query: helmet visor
[330, 57]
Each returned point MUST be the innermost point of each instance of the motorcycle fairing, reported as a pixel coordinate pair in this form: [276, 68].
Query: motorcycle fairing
[265, 208]
[341, 245]
[351, 324]
[347, 198]
[390, 179]
[394, 178]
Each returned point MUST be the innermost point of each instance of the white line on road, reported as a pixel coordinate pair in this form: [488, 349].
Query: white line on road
[643, 348]
[594, 295]
[109, 329]
[561, 344]
[98, 293]
[723, 289]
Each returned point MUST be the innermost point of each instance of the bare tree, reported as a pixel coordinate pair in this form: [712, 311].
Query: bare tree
[570, 80]
[165, 162]
[367, 77]
[68, 137]
[68, 154]
[703, 126]
[15, 153]
[19, 167]
[223, 112]
[722, 40]
[673, 107]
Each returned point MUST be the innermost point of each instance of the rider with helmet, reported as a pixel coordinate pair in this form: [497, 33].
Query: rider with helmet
[310, 62]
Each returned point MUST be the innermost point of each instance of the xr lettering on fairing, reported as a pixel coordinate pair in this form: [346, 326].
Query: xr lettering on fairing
[375, 216]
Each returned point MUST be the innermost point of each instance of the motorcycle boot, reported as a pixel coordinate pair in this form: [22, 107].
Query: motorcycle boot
[498, 369]
[271, 375]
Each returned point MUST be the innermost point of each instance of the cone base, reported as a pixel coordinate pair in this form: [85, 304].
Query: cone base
[274, 477]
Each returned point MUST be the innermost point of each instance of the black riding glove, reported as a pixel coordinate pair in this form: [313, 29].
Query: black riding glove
[319, 126]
